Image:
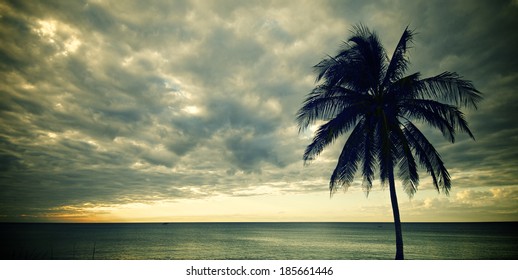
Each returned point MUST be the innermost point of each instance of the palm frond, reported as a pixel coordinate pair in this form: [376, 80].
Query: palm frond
[325, 66]
[350, 157]
[324, 103]
[407, 165]
[399, 61]
[447, 118]
[369, 55]
[329, 131]
[421, 154]
[434, 117]
[343, 71]
[369, 154]
[429, 157]
[450, 87]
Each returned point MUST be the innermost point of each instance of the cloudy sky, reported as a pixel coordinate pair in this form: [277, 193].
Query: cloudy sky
[185, 110]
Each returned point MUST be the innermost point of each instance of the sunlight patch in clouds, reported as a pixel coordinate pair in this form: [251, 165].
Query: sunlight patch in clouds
[192, 109]
[58, 34]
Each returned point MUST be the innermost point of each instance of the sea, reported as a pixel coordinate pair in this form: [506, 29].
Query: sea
[257, 241]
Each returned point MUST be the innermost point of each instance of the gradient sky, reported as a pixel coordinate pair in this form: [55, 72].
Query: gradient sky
[185, 110]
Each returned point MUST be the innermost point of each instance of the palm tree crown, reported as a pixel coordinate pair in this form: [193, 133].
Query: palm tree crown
[362, 91]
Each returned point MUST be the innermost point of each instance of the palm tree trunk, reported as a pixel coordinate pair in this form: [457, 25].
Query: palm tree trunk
[397, 221]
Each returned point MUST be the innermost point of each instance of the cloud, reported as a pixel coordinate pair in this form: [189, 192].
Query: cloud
[475, 204]
[110, 103]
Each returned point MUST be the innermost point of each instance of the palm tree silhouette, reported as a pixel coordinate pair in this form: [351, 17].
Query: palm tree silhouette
[363, 91]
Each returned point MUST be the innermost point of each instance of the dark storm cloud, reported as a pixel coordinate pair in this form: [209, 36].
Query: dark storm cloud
[126, 101]
[221, 55]
[476, 40]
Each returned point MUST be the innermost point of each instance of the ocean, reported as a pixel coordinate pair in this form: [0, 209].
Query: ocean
[257, 241]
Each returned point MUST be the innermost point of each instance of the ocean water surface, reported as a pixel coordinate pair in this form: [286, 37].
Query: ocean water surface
[257, 241]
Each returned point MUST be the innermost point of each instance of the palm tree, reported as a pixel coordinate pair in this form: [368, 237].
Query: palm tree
[364, 92]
